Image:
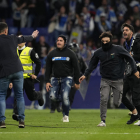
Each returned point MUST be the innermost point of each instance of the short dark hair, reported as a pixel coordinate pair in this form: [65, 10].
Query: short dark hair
[106, 34]
[129, 26]
[3, 26]
[64, 38]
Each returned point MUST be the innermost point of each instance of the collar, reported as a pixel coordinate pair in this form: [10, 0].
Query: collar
[21, 48]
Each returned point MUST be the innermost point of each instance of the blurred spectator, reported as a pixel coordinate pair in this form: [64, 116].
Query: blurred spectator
[105, 8]
[137, 25]
[86, 22]
[29, 44]
[19, 13]
[91, 46]
[56, 4]
[122, 40]
[118, 25]
[90, 6]
[31, 13]
[120, 7]
[74, 40]
[115, 40]
[41, 13]
[4, 9]
[136, 13]
[73, 7]
[41, 47]
[61, 23]
[24, 12]
[128, 21]
[86, 54]
[103, 24]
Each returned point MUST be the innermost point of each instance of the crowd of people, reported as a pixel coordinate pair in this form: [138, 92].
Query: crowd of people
[80, 20]
[84, 22]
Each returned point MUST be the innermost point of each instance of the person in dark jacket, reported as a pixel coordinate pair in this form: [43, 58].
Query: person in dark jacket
[62, 64]
[112, 66]
[27, 57]
[131, 83]
[11, 71]
[83, 66]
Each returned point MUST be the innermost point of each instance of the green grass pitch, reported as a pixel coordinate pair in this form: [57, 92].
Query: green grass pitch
[42, 125]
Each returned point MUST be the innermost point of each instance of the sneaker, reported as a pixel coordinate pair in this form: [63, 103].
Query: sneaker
[66, 118]
[2, 124]
[101, 124]
[15, 117]
[41, 101]
[21, 124]
[133, 119]
[137, 123]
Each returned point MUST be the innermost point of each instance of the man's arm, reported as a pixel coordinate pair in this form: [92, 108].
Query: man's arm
[92, 65]
[23, 39]
[125, 54]
[35, 58]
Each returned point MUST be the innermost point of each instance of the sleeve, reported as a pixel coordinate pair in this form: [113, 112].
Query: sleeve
[137, 56]
[23, 39]
[35, 58]
[125, 54]
[92, 64]
[48, 71]
[76, 68]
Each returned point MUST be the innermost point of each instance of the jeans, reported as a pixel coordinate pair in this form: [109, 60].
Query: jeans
[17, 80]
[61, 88]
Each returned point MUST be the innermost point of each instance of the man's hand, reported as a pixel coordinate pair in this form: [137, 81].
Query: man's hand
[10, 85]
[48, 85]
[35, 33]
[76, 86]
[33, 76]
[137, 74]
[82, 78]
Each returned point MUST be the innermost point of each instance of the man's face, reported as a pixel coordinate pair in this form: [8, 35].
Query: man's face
[60, 43]
[127, 33]
[105, 40]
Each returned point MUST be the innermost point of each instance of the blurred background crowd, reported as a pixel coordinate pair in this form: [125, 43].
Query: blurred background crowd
[82, 21]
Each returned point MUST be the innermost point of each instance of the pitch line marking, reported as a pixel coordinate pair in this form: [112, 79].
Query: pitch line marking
[56, 133]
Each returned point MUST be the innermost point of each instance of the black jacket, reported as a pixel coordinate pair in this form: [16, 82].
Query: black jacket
[112, 64]
[135, 47]
[82, 64]
[62, 63]
[9, 60]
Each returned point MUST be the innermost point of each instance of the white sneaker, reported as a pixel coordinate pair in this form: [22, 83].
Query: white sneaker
[137, 123]
[66, 118]
[101, 124]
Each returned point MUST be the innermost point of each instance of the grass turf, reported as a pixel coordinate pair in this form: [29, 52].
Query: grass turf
[42, 125]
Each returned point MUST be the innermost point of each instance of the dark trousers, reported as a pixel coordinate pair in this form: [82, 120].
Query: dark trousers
[30, 92]
[54, 104]
[131, 83]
